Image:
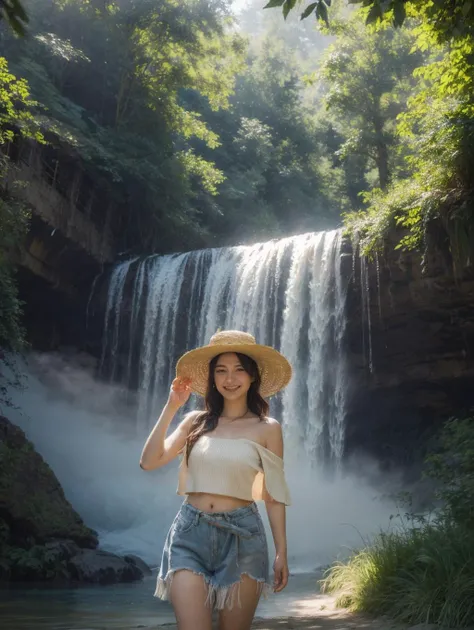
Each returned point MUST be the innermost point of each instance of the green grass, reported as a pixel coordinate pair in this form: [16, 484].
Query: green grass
[417, 575]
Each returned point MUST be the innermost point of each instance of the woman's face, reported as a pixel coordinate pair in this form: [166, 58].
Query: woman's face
[231, 380]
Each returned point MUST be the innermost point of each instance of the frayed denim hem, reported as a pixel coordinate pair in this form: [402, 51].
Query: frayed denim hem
[218, 597]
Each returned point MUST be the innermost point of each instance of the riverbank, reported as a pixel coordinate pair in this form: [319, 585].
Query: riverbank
[132, 606]
[316, 613]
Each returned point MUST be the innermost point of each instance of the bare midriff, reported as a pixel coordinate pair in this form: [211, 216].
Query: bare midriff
[215, 502]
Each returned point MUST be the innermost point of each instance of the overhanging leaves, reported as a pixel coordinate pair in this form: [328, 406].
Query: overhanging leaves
[274, 3]
[322, 12]
[13, 12]
[309, 9]
[288, 5]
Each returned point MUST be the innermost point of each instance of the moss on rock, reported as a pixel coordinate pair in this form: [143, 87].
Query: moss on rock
[42, 538]
[33, 507]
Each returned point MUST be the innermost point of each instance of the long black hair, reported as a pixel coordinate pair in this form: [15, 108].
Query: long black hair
[207, 420]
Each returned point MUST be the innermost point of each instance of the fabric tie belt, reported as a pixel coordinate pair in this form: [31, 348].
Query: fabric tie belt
[223, 523]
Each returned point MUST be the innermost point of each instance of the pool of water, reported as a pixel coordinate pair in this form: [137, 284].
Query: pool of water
[121, 606]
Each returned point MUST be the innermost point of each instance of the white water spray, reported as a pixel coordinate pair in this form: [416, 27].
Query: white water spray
[291, 295]
[288, 293]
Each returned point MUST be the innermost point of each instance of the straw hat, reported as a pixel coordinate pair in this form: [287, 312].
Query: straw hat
[275, 371]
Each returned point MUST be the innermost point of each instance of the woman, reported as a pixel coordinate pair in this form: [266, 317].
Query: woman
[215, 554]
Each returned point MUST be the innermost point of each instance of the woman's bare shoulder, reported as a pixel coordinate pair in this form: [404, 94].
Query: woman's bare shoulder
[271, 422]
[271, 427]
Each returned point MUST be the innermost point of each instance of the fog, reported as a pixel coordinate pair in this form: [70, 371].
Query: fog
[87, 435]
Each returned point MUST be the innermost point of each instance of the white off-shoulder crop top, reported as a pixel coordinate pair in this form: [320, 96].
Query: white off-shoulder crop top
[234, 467]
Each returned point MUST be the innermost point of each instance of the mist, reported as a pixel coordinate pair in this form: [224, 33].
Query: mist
[88, 436]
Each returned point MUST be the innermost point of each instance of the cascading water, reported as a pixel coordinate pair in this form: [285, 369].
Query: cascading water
[289, 293]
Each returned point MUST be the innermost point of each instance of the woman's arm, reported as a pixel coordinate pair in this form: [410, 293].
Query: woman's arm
[158, 451]
[277, 514]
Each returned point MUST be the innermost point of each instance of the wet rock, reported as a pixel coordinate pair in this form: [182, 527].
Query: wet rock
[42, 538]
[102, 567]
[62, 549]
[138, 562]
[32, 501]
[5, 571]
[413, 366]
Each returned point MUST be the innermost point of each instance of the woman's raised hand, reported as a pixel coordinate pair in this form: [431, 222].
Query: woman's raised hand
[180, 392]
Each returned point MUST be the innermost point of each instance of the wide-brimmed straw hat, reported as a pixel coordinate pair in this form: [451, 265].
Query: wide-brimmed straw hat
[275, 370]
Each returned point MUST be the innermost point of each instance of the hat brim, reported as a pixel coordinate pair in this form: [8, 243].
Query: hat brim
[275, 370]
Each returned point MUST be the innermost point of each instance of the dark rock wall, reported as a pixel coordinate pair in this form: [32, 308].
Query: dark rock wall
[422, 352]
[42, 537]
[421, 342]
[33, 507]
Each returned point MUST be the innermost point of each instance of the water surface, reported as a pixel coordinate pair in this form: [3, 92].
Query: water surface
[121, 606]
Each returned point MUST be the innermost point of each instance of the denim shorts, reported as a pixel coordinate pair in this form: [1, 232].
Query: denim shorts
[220, 546]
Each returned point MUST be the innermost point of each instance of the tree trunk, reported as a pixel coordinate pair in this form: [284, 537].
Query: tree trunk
[382, 165]
[382, 154]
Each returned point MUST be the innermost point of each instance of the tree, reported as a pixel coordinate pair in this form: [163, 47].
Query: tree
[368, 79]
[185, 129]
[435, 203]
[16, 118]
[13, 12]
[270, 152]
[113, 79]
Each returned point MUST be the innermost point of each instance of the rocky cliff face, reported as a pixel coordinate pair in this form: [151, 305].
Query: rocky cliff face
[42, 538]
[409, 344]
[410, 348]
[70, 239]
[32, 503]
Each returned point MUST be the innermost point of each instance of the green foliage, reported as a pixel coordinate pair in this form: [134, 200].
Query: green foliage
[438, 129]
[16, 107]
[320, 8]
[113, 80]
[452, 467]
[423, 572]
[419, 575]
[13, 12]
[367, 80]
[400, 103]
[270, 153]
[424, 110]
[445, 18]
[37, 563]
[12, 333]
[162, 105]
[16, 118]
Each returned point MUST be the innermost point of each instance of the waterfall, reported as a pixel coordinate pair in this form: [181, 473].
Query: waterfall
[289, 293]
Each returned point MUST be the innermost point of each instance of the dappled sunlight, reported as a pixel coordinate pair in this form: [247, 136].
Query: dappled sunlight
[317, 610]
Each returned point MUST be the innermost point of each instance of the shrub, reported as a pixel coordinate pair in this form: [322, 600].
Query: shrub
[424, 571]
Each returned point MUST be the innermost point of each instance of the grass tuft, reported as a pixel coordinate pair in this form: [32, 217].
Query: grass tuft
[419, 575]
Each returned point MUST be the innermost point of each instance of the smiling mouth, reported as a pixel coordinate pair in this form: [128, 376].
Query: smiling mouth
[232, 389]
